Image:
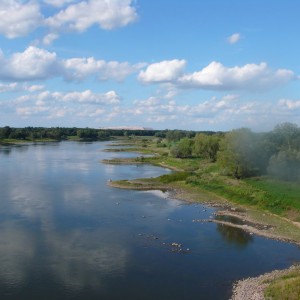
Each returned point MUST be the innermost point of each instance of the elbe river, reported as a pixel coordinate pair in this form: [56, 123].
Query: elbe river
[65, 234]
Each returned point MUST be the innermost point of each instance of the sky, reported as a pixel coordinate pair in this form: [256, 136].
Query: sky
[164, 64]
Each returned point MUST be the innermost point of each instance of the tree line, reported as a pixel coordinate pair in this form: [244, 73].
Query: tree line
[242, 153]
[63, 133]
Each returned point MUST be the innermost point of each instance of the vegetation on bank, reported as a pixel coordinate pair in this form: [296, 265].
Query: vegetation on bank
[13, 135]
[286, 286]
[10, 134]
[241, 166]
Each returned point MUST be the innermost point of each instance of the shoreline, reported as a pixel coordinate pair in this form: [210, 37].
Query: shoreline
[224, 207]
[253, 288]
[250, 219]
[244, 289]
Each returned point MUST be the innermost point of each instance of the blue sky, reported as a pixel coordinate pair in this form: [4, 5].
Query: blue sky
[197, 65]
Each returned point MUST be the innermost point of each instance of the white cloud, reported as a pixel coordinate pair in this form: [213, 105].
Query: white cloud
[108, 14]
[32, 64]
[248, 77]
[34, 88]
[80, 68]
[37, 64]
[8, 87]
[48, 105]
[216, 76]
[18, 18]
[88, 96]
[85, 97]
[227, 112]
[32, 110]
[49, 38]
[234, 38]
[164, 71]
[59, 3]
[289, 104]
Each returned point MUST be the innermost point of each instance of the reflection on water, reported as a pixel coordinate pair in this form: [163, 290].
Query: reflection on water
[234, 235]
[66, 235]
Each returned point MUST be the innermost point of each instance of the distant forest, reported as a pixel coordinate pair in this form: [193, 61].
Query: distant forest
[241, 153]
[62, 133]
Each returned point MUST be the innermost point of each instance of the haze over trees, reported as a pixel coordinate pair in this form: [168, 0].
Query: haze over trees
[242, 153]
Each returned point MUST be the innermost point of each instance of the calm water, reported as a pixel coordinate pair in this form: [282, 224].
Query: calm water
[64, 234]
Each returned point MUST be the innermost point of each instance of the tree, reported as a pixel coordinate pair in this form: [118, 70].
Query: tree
[5, 132]
[285, 165]
[87, 134]
[175, 135]
[183, 149]
[238, 153]
[206, 146]
[286, 136]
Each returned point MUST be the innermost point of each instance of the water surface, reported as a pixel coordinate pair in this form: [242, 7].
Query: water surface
[66, 235]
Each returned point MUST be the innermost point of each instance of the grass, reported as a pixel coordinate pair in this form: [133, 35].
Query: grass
[286, 287]
[283, 196]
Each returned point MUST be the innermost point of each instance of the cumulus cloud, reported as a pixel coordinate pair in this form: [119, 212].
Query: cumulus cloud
[85, 97]
[234, 38]
[216, 76]
[18, 18]
[49, 38]
[47, 105]
[32, 64]
[164, 71]
[226, 112]
[160, 110]
[34, 88]
[88, 96]
[59, 3]
[108, 14]
[37, 64]
[289, 104]
[8, 87]
[17, 87]
[80, 68]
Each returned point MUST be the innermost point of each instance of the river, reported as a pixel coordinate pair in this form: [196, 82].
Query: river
[64, 234]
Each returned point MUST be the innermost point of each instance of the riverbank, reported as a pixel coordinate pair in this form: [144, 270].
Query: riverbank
[277, 285]
[237, 202]
[227, 213]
